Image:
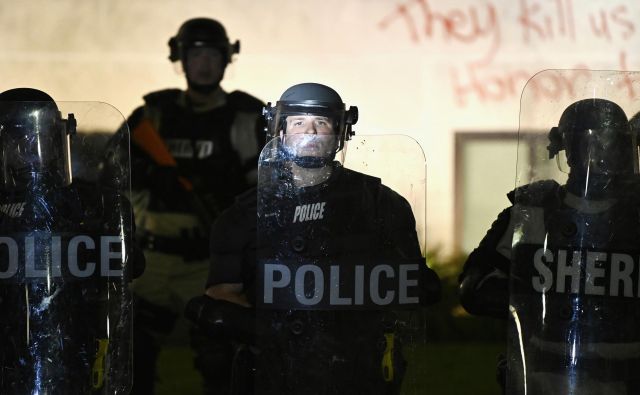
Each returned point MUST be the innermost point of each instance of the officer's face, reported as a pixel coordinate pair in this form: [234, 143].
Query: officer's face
[310, 135]
[204, 65]
[604, 151]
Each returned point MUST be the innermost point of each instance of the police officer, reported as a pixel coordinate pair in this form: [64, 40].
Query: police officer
[67, 259]
[192, 152]
[313, 213]
[520, 270]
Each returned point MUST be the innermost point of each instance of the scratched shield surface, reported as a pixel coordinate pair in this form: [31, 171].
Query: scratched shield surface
[338, 286]
[573, 325]
[65, 234]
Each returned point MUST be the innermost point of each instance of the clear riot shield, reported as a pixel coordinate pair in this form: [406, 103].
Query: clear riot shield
[574, 326]
[65, 239]
[338, 277]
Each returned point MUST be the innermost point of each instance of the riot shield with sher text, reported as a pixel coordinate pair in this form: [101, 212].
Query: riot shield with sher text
[340, 281]
[65, 241]
[574, 326]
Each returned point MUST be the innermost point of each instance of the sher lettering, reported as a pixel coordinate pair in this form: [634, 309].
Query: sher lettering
[599, 273]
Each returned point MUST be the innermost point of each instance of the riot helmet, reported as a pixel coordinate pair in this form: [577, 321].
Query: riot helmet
[202, 35]
[35, 140]
[311, 123]
[634, 124]
[598, 142]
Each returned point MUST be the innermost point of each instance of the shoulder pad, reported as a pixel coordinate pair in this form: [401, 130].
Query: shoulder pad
[244, 102]
[539, 193]
[162, 97]
[354, 175]
[135, 118]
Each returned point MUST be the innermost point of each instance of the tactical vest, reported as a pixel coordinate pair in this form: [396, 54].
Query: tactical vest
[324, 352]
[210, 150]
[563, 281]
[216, 151]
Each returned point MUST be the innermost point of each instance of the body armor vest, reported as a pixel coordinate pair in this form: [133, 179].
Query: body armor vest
[323, 351]
[575, 285]
[200, 142]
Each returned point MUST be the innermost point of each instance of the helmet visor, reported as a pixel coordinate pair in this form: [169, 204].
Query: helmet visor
[310, 132]
[34, 143]
[604, 151]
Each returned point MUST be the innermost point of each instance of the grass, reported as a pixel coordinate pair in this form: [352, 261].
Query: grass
[461, 368]
[176, 372]
[442, 369]
[460, 359]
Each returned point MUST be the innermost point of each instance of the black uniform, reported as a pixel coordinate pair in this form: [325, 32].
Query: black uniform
[216, 148]
[210, 156]
[350, 218]
[65, 317]
[568, 229]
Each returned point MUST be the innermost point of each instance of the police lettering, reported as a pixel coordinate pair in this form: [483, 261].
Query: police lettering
[13, 210]
[586, 272]
[309, 212]
[313, 286]
[184, 148]
[54, 256]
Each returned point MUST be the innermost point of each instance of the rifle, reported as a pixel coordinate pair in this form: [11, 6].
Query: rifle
[149, 140]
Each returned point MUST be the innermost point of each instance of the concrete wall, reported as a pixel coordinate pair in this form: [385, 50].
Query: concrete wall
[425, 68]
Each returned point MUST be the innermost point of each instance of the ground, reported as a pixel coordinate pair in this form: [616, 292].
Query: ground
[449, 369]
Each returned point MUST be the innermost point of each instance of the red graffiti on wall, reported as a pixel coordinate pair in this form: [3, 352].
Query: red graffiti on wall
[490, 85]
[537, 20]
[612, 24]
[541, 23]
[546, 21]
[469, 26]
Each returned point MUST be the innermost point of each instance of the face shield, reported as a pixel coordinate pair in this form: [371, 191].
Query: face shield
[311, 133]
[34, 144]
[604, 151]
[597, 141]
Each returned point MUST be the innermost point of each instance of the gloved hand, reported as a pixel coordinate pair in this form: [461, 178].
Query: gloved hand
[219, 318]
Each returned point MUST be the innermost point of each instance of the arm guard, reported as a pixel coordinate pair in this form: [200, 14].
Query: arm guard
[484, 290]
[484, 282]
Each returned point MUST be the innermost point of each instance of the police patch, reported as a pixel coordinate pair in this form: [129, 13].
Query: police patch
[339, 284]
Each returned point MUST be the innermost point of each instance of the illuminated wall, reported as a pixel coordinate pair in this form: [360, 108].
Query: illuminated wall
[424, 68]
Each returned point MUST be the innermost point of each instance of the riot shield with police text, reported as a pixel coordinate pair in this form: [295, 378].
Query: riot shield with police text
[65, 243]
[574, 326]
[340, 275]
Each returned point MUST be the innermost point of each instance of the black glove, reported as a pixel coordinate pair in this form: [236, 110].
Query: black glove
[138, 261]
[431, 286]
[219, 318]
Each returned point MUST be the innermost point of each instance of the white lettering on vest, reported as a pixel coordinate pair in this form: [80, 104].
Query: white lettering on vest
[596, 273]
[309, 212]
[313, 285]
[13, 210]
[75, 264]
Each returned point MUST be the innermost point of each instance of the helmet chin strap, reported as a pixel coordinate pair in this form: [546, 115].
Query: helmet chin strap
[313, 162]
